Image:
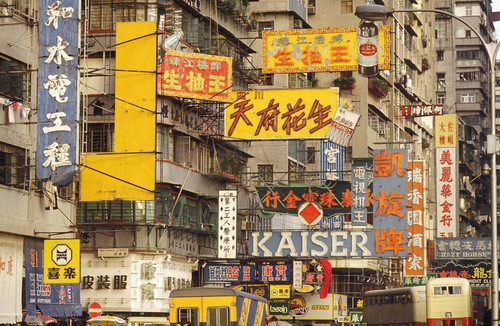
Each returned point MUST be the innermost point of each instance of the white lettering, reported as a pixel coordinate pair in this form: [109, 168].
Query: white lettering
[361, 244]
[286, 243]
[319, 243]
[336, 244]
[261, 244]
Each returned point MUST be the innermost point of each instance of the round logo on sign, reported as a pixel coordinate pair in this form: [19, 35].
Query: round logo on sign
[310, 213]
[61, 255]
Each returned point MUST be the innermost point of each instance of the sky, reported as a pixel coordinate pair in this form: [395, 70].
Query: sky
[495, 6]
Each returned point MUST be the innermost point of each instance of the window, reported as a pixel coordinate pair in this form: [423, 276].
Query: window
[13, 78]
[345, 6]
[468, 98]
[440, 98]
[265, 172]
[468, 33]
[182, 150]
[104, 15]
[100, 138]
[188, 315]
[265, 26]
[311, 155]
[440, 55]
[440, 79]
[468, 10]
[14, 170]
[268, 79]
[469, 55]
[468, 75]
[218, 316]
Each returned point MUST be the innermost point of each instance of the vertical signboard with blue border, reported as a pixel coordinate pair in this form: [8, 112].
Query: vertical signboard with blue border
[331, 161]
[58, 90]
[361, 176]
[390, 203]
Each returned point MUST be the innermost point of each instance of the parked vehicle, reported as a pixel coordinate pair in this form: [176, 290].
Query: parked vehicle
[216, 306]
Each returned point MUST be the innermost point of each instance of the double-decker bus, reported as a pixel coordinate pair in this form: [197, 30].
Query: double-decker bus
[441, 302]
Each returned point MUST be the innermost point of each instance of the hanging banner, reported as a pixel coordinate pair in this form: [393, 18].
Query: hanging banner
[315, 50]
[415, 263]
[57, 126]
[195, 75]
[331, 162]
[343, 125]
[361, 177]
[52, 299]
[390, 202]
[11, 278]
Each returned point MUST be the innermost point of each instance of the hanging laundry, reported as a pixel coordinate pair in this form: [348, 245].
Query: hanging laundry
[10, 114]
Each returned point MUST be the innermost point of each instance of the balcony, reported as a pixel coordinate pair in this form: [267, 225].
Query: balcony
[291, 6]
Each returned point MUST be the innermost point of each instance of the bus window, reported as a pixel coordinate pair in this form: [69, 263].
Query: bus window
[438, 290]
[188, 315]
[455, 290]
[218, 316]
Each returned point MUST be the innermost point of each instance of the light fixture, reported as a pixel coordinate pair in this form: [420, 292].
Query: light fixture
[168, 258]
[204, 264]
[196, 261]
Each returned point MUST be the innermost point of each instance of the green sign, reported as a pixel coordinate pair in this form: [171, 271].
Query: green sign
[278, 307]
[356, 317]
[334, 198]
[418, 280]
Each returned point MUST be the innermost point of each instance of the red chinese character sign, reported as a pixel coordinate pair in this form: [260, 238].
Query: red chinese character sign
[273, 114]
[415, 262]
[314, 50]
[446, 176]
[195, 75]
[390, 201]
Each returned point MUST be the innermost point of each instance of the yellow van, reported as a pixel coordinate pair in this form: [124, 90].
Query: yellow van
[147, 321]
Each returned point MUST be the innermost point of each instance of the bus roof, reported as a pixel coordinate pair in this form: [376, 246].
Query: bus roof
[408, 289]
[213, 291]
[447, 280]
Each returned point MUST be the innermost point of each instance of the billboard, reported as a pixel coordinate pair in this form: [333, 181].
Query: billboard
[128, 172]
[286, 113]
[316, 50]
[195, 75]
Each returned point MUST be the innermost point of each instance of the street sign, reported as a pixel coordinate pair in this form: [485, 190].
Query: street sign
[95, 310]
[61, 261]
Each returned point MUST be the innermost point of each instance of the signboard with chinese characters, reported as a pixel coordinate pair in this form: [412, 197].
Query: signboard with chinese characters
[275, 273]
[390, 200]
[52, 299]
[228, 273]
[356, 317]
[446, 176]
[479, 275]
[343, 125]
[314, 50]
[418, 280]
[331, 162]
[195, 75]
[57, 131]
[11, 277]
[61, 260]
[278, 291]
[360, 179]
[415, 262]
[286, 113]
[421, 110]
[334, 198]
[228, 213]
[463, 248]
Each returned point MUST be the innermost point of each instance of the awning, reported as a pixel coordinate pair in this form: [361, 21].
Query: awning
[56, 310]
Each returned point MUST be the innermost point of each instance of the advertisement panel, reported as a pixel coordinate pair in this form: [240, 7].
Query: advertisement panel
[390, 202]
[286, 113]
[463, 248]
[228, 273]
[310, 306]
[277, 291]
[195, 75]
[340, 312]
[315, 50]
[228, 208]
[415, 263]
[61, 261]
[331, 162]
[361, 178]
[11, 278]
[275, 273]
[57, 126]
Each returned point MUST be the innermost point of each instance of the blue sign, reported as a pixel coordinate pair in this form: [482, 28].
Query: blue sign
[335, 222]
[58, 91]
[331, 163]
[52, 299]
[362, 174]
[229, 273]
[463, 248]
[275, 273]
[390, 202]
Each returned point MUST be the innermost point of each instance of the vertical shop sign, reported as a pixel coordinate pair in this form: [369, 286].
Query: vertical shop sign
[227, 223]
[331, 161]
[446, 176]
[390, 201]
[415, 262]
[359, 193]
[57, 91]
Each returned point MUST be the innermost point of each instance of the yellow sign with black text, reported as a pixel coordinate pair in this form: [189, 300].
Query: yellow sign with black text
[61, 261]
[279, 291]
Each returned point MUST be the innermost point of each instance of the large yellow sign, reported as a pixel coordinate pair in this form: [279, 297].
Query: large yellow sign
[128, 173]
[289, 113]
[314, 50]
[61, 261]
